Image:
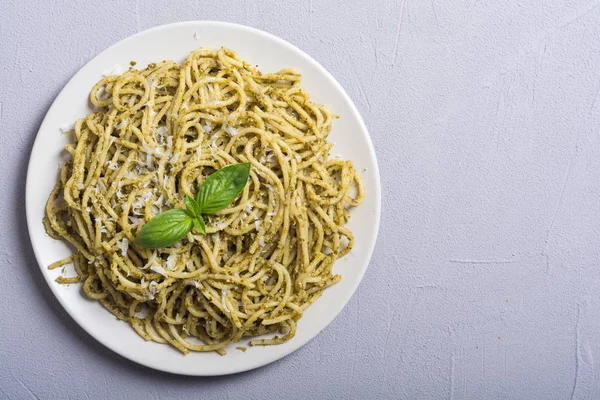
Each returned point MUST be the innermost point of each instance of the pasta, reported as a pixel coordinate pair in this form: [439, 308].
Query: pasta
[155, 136]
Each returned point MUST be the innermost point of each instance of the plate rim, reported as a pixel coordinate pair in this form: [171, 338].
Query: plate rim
[77, 317]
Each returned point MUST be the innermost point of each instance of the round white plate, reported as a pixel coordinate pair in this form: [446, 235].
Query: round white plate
[175, 42]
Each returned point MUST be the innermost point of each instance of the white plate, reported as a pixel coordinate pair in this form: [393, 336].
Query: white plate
[174, 42]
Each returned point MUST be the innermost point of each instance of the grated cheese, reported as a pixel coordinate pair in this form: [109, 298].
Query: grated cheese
[143, 311]
[171, 260]
[135, 220]
[65, 128]
[123, 245]
[159, 269]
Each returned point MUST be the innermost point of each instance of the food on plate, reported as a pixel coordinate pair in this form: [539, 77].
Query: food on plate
[216, 268]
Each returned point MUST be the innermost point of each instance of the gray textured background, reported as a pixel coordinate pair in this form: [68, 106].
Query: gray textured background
[485, 280]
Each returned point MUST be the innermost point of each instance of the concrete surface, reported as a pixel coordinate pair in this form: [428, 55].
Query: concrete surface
[486, 277]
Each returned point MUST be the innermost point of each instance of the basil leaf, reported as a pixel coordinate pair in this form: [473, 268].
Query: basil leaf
[164, 229]
[222, 187]
[199, 224]
[192, 207]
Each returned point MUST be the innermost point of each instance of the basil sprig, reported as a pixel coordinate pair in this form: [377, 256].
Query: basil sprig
[165, 229]
[215, 194]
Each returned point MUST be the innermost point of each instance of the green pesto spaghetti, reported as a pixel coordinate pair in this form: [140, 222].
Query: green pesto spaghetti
[155, 137]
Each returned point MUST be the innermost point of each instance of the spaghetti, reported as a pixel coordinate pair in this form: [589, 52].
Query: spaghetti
[155, 136]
